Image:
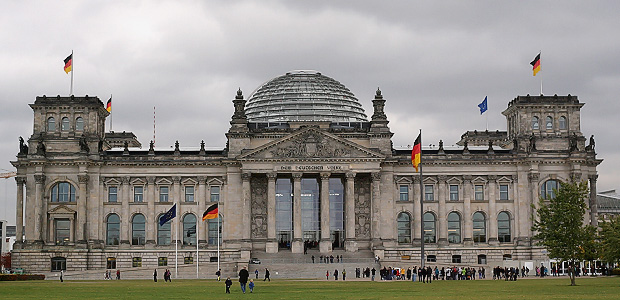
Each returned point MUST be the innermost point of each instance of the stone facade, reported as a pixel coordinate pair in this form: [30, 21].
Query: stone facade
[86, 202]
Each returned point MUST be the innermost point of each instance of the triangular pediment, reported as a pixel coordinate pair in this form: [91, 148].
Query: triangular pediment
[61, 210]
[311, 143]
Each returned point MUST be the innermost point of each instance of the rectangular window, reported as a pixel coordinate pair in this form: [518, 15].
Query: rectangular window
[503, 192]
[162, 261]
[404, 193]
[482, 259]
[138, 194]
[188, 260]
[111, 263]
[112, 194]
[456, 259]
[163, 194]
[429, 193]
[215, 193]
[136, 262]
[189, 194]
[454, 192]
[431, 258]
[63, 228]
[479, 192]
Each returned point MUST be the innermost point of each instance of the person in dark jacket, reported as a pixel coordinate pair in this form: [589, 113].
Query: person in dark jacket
[267, 274]
[228, 283]
[243, 278]
[155, 275]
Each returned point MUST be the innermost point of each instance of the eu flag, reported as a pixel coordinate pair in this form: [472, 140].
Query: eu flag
[483, 105]
[168, 216]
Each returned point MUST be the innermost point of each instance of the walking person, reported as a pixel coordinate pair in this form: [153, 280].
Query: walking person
[228, 284]
[336, 274]
[243, 278]
[155, 275]
[256, 273]
[327, 275]
[251, 285]
[218, 273]
[62, 272]
[118, 274]
[344, 274]
[372, 272]
[267, 275]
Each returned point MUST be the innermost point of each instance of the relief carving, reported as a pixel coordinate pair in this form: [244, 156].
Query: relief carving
[311, 144]
[258, 187]
[362, 207]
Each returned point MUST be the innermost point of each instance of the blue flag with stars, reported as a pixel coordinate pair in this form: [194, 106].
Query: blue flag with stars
[168, 216]
[483, 105]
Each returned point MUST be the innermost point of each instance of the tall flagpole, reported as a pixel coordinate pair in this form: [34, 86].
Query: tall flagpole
[111, 116]
[176, 249]
[541, 84]
[218, 235]
[421, 206]
[197, 257]
[72, 71]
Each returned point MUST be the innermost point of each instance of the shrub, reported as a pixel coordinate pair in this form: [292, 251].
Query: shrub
[20, 277]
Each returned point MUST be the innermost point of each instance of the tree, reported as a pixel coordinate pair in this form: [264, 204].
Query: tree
[560, 227]
[610, 240]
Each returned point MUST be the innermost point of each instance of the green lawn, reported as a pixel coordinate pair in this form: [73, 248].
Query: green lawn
[588, 288]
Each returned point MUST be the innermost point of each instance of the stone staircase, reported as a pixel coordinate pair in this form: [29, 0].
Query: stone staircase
[285, 264]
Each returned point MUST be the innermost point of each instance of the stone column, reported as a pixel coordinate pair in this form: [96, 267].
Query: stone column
[125, 222]
[325, 245]
[376, 209]
[176, 222]
[297, 244]
[201, 198]
[350, 243]
[151, 219]
[593, 205]
[516, 204]
[417, 213]
[80, 225]
[40, 209]
[246, 209]
[19, 217]
[533, 183]
[492, 215]
[442, 217]
[468, 230]
[272, 242]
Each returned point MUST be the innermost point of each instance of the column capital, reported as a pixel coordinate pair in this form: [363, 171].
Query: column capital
[201, 179]
[349, 175]
[245, 176]
[272, 176]
[297, 176]
[39, 178]
[125, 179]
[442, 178]
[83, 178]
[467, 178]
[150, 179]
[20, 180]
[376, 176]
[593, 177]
[325, 176]
[176, 179]
[492, 177]
[533, 177]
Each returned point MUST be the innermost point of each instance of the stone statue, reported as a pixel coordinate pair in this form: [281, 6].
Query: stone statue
[465, 148]
[41, 148]
[83, 145]
[126, 146]
[151, 146]
[440, 145]
[515, 145]
[23, 148]
[176, 146]
[532, 142]
[100, 146]
[572, 143]
[591, 143]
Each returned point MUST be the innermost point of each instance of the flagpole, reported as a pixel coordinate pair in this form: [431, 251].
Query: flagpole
[197, 257]
[541, 83]
[218, 235]
[176, 250]
[111, 115]
[421, 206]
[72, 71]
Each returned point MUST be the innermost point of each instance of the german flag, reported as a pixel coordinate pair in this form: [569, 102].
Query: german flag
[108, 106]
[211, 212]
[416, 153]
[536, 64]
[69, 63]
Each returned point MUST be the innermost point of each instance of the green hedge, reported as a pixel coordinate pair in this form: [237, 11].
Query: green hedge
[15, 277]
[615, 272]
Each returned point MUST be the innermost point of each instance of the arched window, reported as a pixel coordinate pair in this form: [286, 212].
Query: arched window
[548, 189]
[404, 228]
[63, 192]
[503, 227]
[163, 232]
[480, 228]
[113, 232]
[549, 123]
[535, 125]
[79, 124]
[51, 124]
[430, 233]
[563, 122]
[213, 232]
[64, 124]
[189, 229]
[138, 230]
[454, 228]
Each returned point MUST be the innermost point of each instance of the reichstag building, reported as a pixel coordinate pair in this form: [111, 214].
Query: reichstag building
[304, 166]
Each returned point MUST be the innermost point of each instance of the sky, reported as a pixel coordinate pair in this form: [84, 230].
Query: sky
[434, 61]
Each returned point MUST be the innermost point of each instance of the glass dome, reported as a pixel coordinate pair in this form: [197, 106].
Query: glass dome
[303, 96]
